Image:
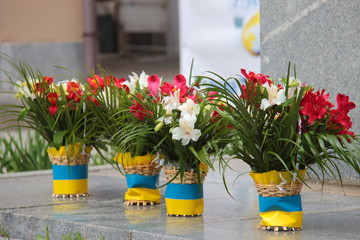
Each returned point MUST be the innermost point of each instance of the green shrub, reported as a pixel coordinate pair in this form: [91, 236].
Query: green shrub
[21, 151]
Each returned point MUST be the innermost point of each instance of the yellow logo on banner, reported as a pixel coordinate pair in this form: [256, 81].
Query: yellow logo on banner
[251, 35]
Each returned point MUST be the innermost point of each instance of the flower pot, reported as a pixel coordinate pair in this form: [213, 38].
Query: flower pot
[184, 197]
[142, 177]
[279, 200]
[70, 171]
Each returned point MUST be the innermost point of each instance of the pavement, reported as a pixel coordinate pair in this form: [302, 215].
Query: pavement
[27, 208]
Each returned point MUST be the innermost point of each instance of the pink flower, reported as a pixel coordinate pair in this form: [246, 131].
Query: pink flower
[153, 84]
[180, 81]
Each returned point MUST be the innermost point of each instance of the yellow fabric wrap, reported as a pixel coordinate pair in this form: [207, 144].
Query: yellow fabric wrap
[273, 177]
[70, 186]
[184, 207]
[143, 194]
[72, 151]
[126, 160]
[281, 218]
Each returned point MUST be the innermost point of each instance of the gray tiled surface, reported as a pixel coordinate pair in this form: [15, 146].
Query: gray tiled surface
[26, 207]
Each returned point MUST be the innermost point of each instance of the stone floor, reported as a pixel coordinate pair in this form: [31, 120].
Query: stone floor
[26, 208]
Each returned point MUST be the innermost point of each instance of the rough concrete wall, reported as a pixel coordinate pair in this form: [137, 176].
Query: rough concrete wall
[322, 37]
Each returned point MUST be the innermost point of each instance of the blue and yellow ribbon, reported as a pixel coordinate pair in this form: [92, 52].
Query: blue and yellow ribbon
[184, 199]
[281, 211]
[70, 179]
[65, 172]
[143, 188]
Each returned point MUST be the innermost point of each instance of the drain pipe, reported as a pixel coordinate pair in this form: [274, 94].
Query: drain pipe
[90, 36]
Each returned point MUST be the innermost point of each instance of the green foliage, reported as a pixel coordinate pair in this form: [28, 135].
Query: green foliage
[270, 138]
[23, 152]
[55, 111]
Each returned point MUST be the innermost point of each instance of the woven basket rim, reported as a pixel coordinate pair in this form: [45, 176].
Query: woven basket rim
[81, 159]
[283, 190]
[188, 178]
[144, 169]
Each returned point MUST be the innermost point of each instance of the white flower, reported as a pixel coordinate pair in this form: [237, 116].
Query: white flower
[167, 120]
[23, 90]
[275, 97]
[189, 107]
[186, 132]
[171, 102]
[142, 80]
[294, 84]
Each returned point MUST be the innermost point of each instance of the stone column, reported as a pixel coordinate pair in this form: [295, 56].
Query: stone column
[322, 37]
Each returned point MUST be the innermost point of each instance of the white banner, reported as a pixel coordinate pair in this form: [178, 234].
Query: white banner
[221, 36]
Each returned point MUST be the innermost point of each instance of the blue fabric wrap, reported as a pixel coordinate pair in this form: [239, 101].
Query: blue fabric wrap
[141, 181]
[66, 172]
[184, 191]
[286, 204]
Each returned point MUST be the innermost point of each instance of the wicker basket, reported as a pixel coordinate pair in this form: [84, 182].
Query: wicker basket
[82, 159]
[145, 170]
[188, 178]
[279, 190]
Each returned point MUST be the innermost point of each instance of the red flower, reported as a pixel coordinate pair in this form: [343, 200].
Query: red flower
[339, 119]
[94, 100]
[96, 82]
[139, 111]
[74, 91]
[343, 103]
[117, 82]
[243, 91]
[48, 80]
[39, 87]
[153, 84]
[257, 78]
[53, 109]
[167, 89]
[315, 105]
[52, 98]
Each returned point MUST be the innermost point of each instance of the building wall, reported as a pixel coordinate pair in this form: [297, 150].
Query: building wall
[322, 38]
[43, 33]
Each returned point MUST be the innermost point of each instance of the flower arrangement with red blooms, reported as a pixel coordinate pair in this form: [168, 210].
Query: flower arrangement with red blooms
[144, 115]
[55, 110]
[287, 126]
[179, 120]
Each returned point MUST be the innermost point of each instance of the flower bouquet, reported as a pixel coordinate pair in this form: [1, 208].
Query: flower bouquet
[281, 130]
[182, 123]
[56, 111]
[114, 112]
